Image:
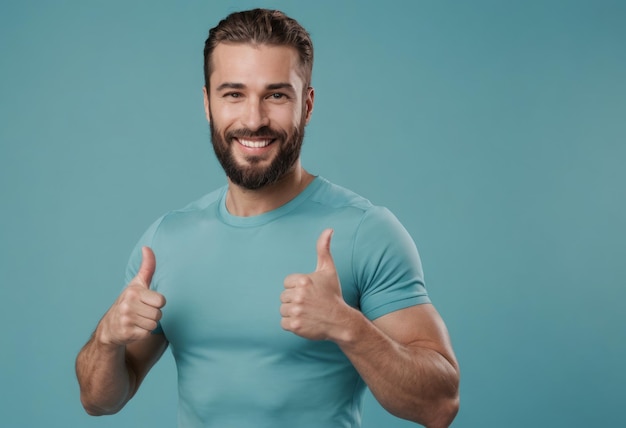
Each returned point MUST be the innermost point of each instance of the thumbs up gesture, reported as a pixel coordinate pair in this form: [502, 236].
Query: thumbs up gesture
[312, 304]
[137, 310]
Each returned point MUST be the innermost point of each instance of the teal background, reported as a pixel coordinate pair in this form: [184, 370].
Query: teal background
[495, 131]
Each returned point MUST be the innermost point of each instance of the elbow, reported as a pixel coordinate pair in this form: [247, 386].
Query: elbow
[440, 414]
[446, 408]
[439, 411]
[94, 409]
[445, 413]
[433, 413]
[98, 411]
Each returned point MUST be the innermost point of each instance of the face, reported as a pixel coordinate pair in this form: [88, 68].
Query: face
[257, 109]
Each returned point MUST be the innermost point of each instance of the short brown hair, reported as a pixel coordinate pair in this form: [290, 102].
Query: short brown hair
[261, 26]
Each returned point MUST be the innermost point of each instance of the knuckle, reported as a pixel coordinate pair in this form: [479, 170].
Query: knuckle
[125, 321]
[132, 292]
[124, 308]
[297, 311]
[303, 281]
[291, 277]
[297, 280]
[291, 324]
[295, 325]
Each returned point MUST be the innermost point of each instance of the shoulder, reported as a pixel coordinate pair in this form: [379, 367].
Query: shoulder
[204, 206]
[201, 206]
[202, 203]
[338, 198]
[363, 227]
[335, 196]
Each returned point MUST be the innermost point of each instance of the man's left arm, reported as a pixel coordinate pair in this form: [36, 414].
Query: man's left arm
[407, 361]
[405, 356]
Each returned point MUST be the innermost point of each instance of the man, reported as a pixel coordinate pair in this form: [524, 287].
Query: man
[262, 336]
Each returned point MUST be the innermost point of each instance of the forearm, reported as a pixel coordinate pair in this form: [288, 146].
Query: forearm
[105, 382]
[413, 382]
[112, 365]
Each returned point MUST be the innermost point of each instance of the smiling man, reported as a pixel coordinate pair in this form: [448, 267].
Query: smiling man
[257, 103]
[282, 296]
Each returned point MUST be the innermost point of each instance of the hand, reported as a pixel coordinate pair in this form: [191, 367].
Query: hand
[137, 310]
[312, 304]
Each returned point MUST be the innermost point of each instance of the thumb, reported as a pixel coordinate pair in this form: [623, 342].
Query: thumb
[146, 270]
[324, 258]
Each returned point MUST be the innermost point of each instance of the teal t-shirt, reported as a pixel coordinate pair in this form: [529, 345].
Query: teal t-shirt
[222, 277]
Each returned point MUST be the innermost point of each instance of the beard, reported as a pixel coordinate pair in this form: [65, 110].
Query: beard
[253, 175]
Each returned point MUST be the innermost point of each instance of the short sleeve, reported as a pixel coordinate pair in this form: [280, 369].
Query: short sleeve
[134, 261]
[387, 266]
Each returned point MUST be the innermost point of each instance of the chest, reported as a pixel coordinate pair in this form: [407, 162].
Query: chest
[223, 287]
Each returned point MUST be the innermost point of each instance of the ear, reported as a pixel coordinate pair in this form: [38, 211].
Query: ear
[206, 104]
[308, 103]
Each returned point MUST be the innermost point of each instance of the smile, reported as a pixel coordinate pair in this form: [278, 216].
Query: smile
[258, 144]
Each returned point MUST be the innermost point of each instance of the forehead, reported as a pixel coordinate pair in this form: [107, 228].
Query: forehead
[254, 64]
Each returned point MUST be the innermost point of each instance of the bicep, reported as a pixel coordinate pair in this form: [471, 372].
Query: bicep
[143, 354]
[420, 326]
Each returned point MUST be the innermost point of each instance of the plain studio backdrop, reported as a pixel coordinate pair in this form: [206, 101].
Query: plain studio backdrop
[494, 130]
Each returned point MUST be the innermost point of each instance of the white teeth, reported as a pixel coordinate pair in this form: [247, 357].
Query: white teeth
[255, 144]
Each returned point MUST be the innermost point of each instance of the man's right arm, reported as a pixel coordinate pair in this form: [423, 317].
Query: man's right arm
[121, 351]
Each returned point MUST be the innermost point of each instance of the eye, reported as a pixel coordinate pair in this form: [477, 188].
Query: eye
[277, 96]
[232, 95]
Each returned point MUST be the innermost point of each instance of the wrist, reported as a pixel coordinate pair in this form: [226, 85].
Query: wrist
[350, 328]
[103, 339]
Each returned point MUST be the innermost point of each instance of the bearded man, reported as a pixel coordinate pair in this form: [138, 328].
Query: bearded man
[268, 328]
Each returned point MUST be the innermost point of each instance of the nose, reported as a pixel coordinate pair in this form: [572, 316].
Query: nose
[255, 115]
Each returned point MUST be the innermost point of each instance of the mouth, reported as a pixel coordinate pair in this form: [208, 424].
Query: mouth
[255, 144]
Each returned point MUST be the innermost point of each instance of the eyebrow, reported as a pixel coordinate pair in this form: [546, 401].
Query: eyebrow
[275, 86]
[229, 85]
[271, 86]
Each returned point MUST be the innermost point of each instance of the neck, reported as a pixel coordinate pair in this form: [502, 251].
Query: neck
[244, 202]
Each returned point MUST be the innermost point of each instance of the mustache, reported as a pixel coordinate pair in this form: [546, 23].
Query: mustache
[264, 132]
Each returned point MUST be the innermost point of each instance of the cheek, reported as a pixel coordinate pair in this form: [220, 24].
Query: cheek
[290, 117]
[225, 116]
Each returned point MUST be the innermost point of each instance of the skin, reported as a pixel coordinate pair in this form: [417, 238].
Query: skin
[121, 351]
[405, 357]
[243, 95]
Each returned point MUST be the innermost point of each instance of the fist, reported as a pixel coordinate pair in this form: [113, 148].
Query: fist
[312, 305]
[137, 310]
